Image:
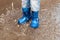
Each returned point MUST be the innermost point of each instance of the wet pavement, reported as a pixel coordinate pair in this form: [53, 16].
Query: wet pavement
[49, 29]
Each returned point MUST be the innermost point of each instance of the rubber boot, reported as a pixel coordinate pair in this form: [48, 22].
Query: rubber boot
[35, 20]
[25, 17]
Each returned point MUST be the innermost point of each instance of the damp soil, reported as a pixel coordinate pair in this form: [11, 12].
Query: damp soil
[49, 15]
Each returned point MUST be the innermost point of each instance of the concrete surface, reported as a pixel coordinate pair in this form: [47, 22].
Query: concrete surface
[10, 11]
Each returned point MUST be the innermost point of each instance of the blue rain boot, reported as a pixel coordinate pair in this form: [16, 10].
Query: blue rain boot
[35, 20]
[25, 17]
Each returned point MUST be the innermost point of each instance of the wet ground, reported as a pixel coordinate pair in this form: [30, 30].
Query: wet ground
[49, 29]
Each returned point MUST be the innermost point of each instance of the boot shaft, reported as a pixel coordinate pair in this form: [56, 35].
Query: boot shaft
[34, 14]
[26, 12]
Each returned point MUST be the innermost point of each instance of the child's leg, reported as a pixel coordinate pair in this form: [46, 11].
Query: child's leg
[35, 6]
[26, 7]
[25, 11]
[25, 3]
